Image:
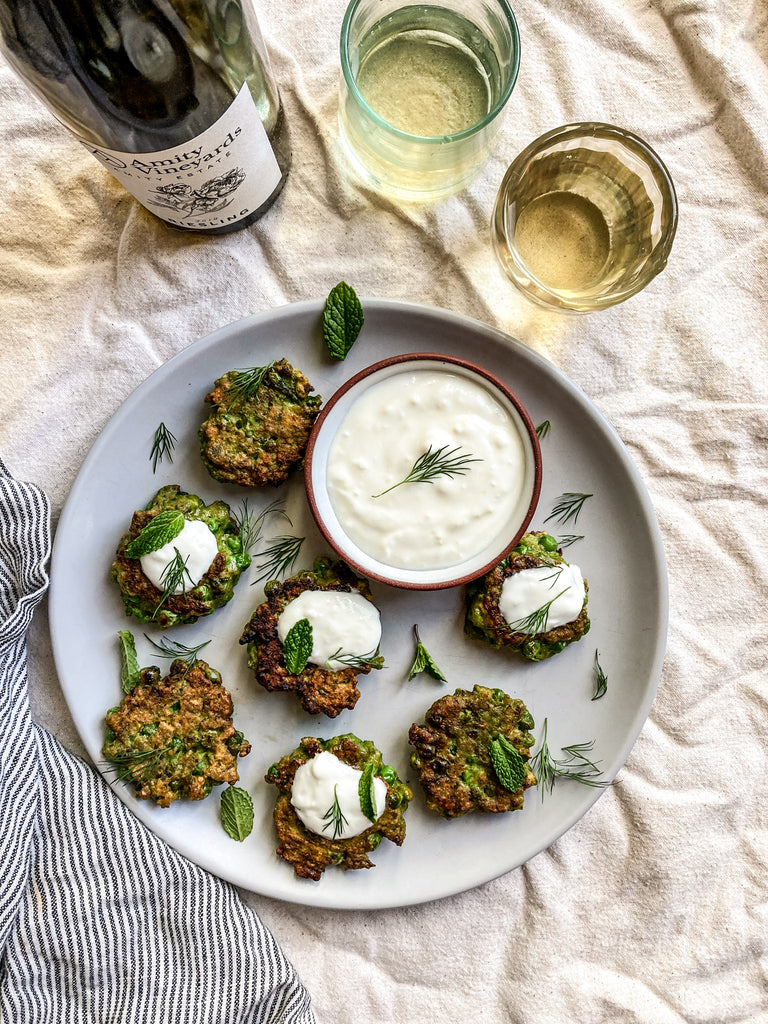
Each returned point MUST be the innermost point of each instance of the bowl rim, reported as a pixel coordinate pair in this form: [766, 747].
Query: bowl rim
[546, 296]
[416, 357]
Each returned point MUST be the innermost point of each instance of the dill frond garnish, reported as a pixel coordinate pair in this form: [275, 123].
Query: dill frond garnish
[163, 444]
[567, 507]
[250, 525]
[371, 660]
[543, 429]
[536, 622]
[335, 816]
[568, 539]
[432, 464]
[134, 764]
[575, 765]
[174, 575]
[278, 558]
[172, 649]
[246, 383]
[601, 679]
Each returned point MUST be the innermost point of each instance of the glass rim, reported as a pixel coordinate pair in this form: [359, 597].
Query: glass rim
[658, 256]
[431, 140]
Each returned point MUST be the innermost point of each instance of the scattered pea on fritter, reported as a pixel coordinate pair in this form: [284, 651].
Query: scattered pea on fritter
[320, 689]
[452, 751]
[144, 600]
[309, 852]
[260, 424]
[172, 737]
[485, 621]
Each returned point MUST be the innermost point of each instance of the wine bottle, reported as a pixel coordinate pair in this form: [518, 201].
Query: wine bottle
[176, 98]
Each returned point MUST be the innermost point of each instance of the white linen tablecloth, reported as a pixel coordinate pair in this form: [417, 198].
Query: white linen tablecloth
[653, 907]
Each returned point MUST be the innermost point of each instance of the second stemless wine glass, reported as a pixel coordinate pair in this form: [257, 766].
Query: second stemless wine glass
[422, 90]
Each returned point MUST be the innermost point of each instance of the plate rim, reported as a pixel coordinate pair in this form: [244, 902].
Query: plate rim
[429, 313]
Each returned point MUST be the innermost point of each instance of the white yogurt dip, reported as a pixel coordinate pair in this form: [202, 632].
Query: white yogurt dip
[526, 592]
[315, 785]
[196, 545]
[342, 624]
[425, 525]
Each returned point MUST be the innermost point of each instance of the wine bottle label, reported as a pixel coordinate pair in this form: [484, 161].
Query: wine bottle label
[215, 179]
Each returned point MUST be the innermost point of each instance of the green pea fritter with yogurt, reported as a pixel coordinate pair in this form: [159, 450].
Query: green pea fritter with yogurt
[191, 575]
[472, 751]
[173, 737]
[344, 627]
[260, 424]
[533, 602]
[336, 801]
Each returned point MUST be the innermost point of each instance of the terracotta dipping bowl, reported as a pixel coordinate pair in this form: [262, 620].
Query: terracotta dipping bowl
[316, 463]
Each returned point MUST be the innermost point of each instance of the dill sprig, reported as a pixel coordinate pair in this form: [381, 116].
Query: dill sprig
[163, 444]
[371, 660]
[247, 382]
[431, 464]
[335, 816]
[543, 428]
[601, 679]
[278, 558]
[134, 763]
[174, 575]
[568, 539]
[250, 525]
[172, 650]
[536, 622]
[575, 765]
[567, 507]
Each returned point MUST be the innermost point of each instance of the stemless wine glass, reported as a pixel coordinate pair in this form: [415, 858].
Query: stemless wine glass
[585, 217]
[422, 90]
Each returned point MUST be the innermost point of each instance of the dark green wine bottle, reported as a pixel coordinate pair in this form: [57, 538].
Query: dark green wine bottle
[175, 97]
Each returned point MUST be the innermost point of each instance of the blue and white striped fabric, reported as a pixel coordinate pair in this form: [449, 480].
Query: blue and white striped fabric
[100, 921]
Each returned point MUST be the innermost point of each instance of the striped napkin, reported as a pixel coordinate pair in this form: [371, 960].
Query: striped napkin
[100, 921]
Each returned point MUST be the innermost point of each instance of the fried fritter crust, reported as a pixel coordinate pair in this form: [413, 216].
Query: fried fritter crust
[484, 620]
[310, 853]
[320, 690]
[141, 597]
[258, 439]
[173, 737]
[452, 751]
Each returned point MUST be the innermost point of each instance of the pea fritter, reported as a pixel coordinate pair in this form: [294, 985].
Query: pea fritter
[484, 620]
[260, 424]
[141, 597]
[452, 751]
[310, 853]
[173, 738]
[320, 690]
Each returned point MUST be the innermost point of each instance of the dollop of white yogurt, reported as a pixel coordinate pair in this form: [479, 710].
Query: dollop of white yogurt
[196, 545]
[526, 592]
[343, 623]
[320, 780]
[425, 525]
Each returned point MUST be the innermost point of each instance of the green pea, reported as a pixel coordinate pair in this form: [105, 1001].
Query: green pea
[548, 542]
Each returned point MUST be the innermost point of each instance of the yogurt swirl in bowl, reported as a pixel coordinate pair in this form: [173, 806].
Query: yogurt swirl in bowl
[396, 526]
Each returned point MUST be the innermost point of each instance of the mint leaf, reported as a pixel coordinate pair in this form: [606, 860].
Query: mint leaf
[237, 813]
[367, 793]
[158, 532]
[508, 763]
[424, 662]
[342, 320]
[297, 646]
[129, 664]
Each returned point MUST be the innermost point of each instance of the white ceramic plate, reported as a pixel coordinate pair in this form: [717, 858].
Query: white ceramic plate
[621, 555]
